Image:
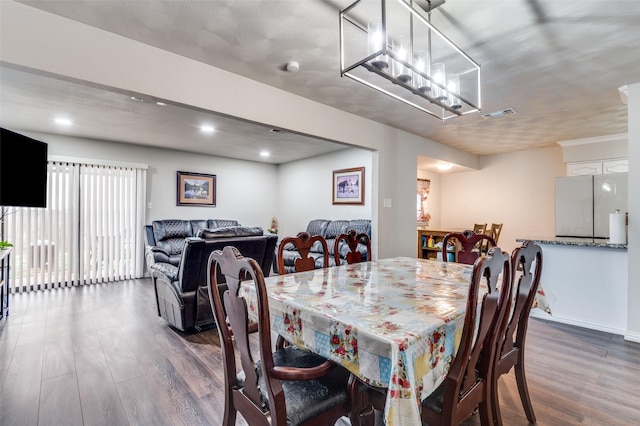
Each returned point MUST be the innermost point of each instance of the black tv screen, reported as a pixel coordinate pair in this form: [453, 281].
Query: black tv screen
[23, 170]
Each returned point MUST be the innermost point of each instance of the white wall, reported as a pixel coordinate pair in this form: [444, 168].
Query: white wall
[305, 190]
[249, 192]
[515, 189]
[633, 325]
[244, 188]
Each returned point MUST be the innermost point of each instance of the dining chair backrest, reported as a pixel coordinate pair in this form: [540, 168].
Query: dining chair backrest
[526, 262]
[494, 232]
[468, 382]
[303, 242]
[468, 245]
[264, 390]
[480, 228]
[352, 240]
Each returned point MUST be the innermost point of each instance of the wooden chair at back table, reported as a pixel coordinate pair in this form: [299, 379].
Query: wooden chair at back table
[480, 228]
[494, 231]
[291, 386]
[303, 242]
[526, 261]
[352, 241]
[469, 382]
[467, 243]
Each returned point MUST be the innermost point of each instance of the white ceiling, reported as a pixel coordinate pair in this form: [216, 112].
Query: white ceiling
[32, 101]
[558, 63]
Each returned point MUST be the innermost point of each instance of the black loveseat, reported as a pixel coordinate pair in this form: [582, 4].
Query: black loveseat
[329, 230]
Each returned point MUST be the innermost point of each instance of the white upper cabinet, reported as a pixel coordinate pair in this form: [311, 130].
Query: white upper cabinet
[615, 166]
[598, 167]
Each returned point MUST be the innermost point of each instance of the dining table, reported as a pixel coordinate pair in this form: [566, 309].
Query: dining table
[394, 323]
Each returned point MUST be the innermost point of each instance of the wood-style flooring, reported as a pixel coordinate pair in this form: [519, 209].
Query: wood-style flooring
[100, 355]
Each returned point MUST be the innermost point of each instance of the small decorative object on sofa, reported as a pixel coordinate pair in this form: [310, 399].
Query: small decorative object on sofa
[330, 230]
[273, 228]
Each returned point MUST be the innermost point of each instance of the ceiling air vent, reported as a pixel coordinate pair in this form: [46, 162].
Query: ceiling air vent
[498, 114]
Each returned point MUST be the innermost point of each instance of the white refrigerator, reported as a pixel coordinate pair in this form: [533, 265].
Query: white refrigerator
[583, 204]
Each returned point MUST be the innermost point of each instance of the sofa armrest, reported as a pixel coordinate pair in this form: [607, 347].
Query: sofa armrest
[155, 254]
[167, 270]
[166, 275]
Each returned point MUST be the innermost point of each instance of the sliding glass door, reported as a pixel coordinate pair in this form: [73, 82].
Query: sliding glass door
[90, 232]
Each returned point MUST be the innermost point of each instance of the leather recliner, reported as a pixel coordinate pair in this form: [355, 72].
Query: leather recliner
[181, 291]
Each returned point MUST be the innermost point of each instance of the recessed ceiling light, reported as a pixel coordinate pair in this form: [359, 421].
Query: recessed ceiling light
[161, 103]
[207, 129]
[136, 99]
[265, 154]
[63, 121]
[444, 166]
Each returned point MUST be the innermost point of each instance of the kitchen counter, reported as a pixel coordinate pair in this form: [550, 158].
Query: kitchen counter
[575, 241]
[586, 282]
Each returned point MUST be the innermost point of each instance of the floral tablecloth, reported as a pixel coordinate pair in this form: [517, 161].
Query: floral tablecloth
[394, 323]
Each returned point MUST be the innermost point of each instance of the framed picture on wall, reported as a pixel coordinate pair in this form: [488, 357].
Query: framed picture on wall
[196, 189]
[348, 186]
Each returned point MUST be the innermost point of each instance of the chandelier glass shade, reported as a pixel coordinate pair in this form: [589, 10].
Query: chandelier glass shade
[391, 46]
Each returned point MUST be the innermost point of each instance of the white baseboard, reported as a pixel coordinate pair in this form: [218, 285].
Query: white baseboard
[579, 322]
[632, 336]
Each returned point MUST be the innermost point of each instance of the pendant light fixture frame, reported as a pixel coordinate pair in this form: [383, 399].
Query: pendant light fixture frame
[410, 20]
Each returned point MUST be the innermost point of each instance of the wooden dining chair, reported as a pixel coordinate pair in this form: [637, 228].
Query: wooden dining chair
[468, 383]
[527, 262]
[480, 228]
[467, 245]
[303, 242]
[494, 232]
[352, 241]
[291, 386]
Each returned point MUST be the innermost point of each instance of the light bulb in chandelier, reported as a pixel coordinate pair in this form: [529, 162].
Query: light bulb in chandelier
[398, 69]
[440, 78]
[422, 66]
[453, 87]
[375, 43]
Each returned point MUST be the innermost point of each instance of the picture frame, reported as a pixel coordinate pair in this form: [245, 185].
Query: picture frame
[195, 189]
[348, 186]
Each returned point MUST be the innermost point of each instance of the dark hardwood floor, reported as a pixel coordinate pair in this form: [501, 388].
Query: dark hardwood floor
[100, 355]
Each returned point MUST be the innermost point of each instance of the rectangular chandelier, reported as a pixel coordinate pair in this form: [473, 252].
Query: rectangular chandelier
[391, 46]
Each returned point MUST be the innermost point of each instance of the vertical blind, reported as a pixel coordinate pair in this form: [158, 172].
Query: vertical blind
[90, 232]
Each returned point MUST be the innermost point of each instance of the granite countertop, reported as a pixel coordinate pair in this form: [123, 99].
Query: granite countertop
[574, 241]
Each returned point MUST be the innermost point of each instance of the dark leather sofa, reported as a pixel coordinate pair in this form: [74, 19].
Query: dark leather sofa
[164, 239]
[330, 230]
[182, 298]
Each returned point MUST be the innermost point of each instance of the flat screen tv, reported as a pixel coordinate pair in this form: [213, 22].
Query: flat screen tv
[23, 170]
